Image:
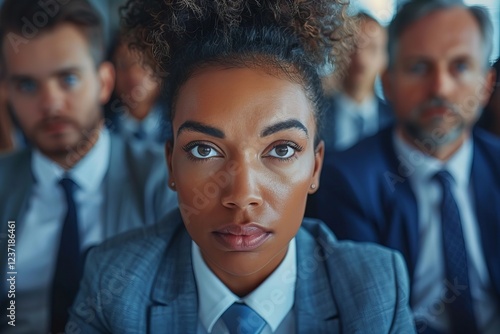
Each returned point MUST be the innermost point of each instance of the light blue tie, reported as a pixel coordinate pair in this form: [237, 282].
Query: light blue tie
[241, 319]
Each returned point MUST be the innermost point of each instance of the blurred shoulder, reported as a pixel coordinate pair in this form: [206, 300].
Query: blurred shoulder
[141, 244]
[12, 159]
[142, 160]
[137, 149]
[357, 260]
[488, 144]
[369, 150]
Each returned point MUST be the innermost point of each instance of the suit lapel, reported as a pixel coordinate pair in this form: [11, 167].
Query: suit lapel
[400, 204]
[174, 294]
[121, 204]
[487, 213]
[385, 114]
[315, 310]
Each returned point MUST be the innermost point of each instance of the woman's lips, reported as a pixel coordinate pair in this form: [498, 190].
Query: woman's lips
[241, 238]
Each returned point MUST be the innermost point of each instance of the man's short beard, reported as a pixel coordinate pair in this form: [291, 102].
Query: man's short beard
[437, 132]
[70, 154]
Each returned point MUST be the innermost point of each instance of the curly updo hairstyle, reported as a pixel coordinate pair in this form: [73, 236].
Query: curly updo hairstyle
[287, 38]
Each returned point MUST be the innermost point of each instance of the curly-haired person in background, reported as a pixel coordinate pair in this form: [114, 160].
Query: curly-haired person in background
[239, 257]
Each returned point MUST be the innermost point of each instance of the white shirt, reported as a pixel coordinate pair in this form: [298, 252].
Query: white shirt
[273, 300]
[427, 300]
[348, 116]
[39, 231]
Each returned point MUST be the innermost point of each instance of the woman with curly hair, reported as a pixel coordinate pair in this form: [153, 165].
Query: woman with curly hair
[239, 256]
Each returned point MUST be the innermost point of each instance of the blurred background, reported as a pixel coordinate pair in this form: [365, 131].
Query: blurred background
[382, 10]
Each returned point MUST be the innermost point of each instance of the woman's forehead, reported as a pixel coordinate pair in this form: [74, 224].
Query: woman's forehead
[239, 95]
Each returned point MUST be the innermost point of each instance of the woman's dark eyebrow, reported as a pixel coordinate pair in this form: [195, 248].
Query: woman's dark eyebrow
[285, 125]
[200, 127]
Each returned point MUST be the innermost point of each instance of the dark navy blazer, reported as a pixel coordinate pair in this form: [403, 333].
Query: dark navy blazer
[365, 195]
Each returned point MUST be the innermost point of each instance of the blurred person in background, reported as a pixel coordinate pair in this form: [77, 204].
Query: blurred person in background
[77, 184]
[136, 110]
[353, 110]
[430, 186]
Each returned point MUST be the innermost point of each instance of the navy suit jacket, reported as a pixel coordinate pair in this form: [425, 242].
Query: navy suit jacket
[365, 195]
[143, 282]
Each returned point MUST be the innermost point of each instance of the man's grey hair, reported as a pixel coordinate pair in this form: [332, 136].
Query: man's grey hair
[414, 10]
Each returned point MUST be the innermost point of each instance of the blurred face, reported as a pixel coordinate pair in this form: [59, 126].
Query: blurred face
[57, 92]
[370, 56]
[135, 83]
[243, 162]
[439, 81]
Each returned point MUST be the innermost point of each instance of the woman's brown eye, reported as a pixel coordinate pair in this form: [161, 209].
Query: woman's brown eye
[282, 150]
[201, 151]
[204, 151]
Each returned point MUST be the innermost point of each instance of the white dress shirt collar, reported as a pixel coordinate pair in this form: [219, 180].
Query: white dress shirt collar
[88, 173]
[214, 298]
[424, 166]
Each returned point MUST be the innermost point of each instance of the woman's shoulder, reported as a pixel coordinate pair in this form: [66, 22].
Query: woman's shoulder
[355, 259]
[364, 278]
[147, 242]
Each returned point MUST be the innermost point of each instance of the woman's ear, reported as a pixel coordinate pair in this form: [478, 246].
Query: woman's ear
[319, 154]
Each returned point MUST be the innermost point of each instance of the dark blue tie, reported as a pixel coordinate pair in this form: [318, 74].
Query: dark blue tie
[140, 133]
[69, 264]
[455, 257]
[241, 319]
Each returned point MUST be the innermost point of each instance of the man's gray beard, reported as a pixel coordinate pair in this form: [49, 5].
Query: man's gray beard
[434, 133]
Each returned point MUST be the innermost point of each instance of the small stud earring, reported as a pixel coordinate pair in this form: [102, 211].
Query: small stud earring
[172, 184]
[313, 186]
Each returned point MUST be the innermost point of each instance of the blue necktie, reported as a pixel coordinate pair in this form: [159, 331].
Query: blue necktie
[455, 255]
[139, 133]
[69, 265]
[241, 319]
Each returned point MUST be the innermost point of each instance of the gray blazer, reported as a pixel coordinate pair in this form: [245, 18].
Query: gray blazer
[143, 282]
[136, 184]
